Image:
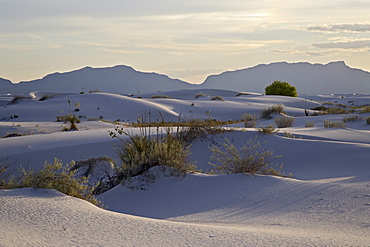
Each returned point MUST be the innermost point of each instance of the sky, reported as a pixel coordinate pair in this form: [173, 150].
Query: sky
[188, 39]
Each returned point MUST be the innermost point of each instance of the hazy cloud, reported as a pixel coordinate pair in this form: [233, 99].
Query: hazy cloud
[344, 45]
[355, 27]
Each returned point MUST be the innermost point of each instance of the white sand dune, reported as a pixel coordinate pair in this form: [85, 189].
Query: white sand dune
[327, 203]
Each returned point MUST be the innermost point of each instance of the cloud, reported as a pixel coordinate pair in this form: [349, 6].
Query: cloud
[122, 51]
[357, 44]
[334, 28]
[309, 53]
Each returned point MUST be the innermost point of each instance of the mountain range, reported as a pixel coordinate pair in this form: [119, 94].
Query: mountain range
[334, 77]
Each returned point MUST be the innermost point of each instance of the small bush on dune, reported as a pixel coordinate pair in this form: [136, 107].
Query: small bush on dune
[351, 118]
[47, 96]
[250, 121]
[266, 113]
[141, 152]
[332, 124]
[17, 98]
[157, 96]
[73, 119]
[365, 109]
[337, 110]
[53, 176]
[200, 94]
[368, 120]
[281, 88]
[240, 94]
[266, 130]
[284, 122]
[218, 98]
[251, 159]
[309, 124]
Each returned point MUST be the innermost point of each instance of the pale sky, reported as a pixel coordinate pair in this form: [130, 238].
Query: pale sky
[182, 39]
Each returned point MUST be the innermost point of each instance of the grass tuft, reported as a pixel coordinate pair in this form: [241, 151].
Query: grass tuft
[250, 159]
[284, 122]
[332, 124]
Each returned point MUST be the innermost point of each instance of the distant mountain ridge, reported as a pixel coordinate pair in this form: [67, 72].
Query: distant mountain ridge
[118, 79]
[334, 77]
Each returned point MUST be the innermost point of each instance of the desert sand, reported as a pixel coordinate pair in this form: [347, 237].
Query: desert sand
[325, 203]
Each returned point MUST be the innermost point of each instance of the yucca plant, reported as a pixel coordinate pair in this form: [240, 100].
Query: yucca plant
[141, 152]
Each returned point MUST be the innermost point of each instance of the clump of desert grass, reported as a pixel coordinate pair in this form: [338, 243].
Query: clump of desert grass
[334, 124]
[54, 175]
[266, 113]
[309, 124]
[249, 120]
[200, 94]
[18, 98]
[367, 120]
[158, 96]
[351, 118]
[218, 98]
[250, 159]
[267, 130]
[284, 122]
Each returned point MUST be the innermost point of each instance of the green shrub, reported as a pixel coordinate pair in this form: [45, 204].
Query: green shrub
[281, 88]
[309, 124]
[331, 124]
[251, 159]
[266, 113]
[160, 96]
[250, 121]
[284, 122]
[351, 118]
[218, 98]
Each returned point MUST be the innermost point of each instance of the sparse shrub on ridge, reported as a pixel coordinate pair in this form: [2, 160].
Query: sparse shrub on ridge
[281, 88]
[17, 98]
[47, 96]
[141, 152]
[338, 110]
[332, 124]
[250, 121]
[53, 176]
[266, 130]
[218, 98]
[284, 122]
[309, 124]
[200, 94]
[250, 159]
[157, 96]
[351, 118]
[266, 113]
[240, 94]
